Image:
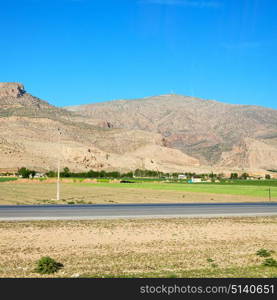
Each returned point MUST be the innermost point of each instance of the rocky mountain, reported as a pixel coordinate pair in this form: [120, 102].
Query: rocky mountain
[29, 137]
[217, 134]
[169, 133]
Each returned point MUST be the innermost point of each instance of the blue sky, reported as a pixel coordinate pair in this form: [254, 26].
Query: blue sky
[82, 51]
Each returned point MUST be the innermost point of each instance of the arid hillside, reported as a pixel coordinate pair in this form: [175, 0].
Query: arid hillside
[168, 133]
[29, 136]
[215, 133]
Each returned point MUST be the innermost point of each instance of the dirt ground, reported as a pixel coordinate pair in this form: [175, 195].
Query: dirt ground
[45, 193]
[160, 247]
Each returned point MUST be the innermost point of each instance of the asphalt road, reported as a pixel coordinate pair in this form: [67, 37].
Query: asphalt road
[107, 211]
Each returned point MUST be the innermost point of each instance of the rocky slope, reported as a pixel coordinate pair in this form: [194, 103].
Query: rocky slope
[29, 137]
[217, 134]
[169, 133]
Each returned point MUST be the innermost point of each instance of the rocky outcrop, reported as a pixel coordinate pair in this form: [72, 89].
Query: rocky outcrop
[15, 101]
[11, 89]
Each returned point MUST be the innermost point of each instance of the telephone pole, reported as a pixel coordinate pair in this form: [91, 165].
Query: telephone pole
[59, 164]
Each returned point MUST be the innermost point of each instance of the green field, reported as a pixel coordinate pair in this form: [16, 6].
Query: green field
[248, 182]
[252, 190]
[4, 179]
[81, 191]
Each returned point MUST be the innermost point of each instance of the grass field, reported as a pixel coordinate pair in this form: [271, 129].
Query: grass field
[5, 179]
[44, 192]
[218, 247]
[231, 189]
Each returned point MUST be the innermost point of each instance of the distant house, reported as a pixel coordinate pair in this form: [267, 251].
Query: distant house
[182, 176]
[195, 180]
[39, 175]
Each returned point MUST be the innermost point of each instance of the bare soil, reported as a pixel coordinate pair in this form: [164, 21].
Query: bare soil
[159, 246]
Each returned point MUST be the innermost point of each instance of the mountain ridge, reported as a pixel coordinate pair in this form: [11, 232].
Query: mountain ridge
[29, 137]
[201, 128]
[124, 100]
[170, 133]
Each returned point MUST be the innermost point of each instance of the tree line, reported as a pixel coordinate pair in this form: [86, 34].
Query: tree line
[27, 173]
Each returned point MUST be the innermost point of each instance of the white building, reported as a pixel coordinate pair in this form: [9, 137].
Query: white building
[195, 180]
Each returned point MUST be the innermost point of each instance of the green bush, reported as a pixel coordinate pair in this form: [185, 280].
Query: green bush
[51, 174]
[270, 262]
[47, 265]
[264, 253]
[26, 173]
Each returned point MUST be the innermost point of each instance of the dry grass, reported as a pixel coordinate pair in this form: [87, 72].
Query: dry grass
[139, 247]
[45, 193]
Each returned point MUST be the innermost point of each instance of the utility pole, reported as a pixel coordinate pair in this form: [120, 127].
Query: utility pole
[119, 153]
[159, 175]
[59, 164]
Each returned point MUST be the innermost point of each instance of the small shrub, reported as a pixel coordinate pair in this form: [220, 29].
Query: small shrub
[70, 202]
[172, 275]
[270, 262]
[47, 265]
[80, 202]
[264, 253]
[209, 260]
[214, 265]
